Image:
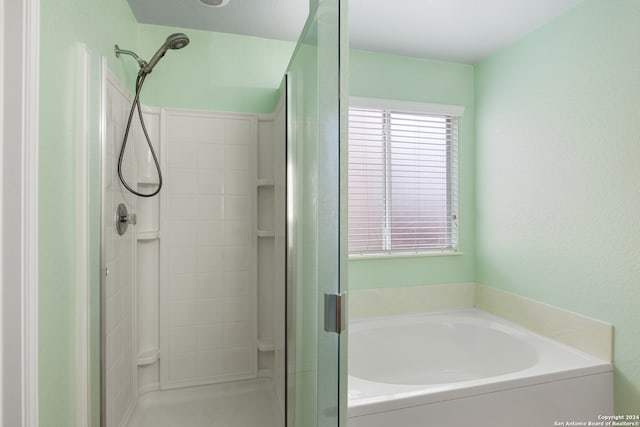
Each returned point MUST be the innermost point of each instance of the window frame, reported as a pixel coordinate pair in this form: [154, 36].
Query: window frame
[449, 110]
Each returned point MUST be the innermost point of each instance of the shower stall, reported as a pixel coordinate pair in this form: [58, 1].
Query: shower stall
[213, 286]
[189, 288]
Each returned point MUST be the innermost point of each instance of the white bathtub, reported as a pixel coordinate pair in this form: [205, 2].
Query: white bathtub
[468, 367]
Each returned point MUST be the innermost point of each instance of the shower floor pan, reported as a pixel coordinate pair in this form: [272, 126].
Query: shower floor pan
[240, 404]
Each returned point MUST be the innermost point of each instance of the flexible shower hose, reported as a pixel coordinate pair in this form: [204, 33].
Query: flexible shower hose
[134, 104]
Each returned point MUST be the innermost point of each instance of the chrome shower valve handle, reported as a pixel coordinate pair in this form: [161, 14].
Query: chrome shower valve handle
[124, 218]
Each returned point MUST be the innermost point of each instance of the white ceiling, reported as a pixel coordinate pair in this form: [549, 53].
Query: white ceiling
[463, 31]
[273, 19]
[454, 30]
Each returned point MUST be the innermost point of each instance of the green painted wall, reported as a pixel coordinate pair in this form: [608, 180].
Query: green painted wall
[558, 182]
[411, 79]
[64, 23]
[216, 71]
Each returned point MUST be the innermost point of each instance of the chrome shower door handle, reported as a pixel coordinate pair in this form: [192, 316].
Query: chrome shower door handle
[334, 312]
[123, 219]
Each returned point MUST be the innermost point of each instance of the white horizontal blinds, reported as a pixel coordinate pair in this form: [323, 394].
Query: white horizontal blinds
[402, 181]
[452, 187]
[420, 186]
[367, 180]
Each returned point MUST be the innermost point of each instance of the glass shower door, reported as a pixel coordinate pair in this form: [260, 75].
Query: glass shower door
[315, 390]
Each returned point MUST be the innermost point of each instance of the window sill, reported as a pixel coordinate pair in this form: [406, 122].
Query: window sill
[387, 255]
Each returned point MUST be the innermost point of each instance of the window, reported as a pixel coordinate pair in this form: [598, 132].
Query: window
[402, 177]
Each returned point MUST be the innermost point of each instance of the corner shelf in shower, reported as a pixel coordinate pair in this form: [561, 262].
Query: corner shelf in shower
[148, 235]
[148, 357]
[265, 183]
[265, 200]
[265, 346]
[148, 180]
[266, 233]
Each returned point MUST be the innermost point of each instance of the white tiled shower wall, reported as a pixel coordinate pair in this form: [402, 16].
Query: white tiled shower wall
[272, 246]
[212, 310]
[119, 263]
[208, 283]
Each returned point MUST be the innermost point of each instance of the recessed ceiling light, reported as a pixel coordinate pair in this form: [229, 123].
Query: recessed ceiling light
[215, 3]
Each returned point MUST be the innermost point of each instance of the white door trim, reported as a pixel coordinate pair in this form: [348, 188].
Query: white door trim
[20, 126]
[83, 278]
[31, 70]
[2, 61]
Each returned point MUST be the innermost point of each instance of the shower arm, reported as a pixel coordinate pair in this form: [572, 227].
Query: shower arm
[141, 62]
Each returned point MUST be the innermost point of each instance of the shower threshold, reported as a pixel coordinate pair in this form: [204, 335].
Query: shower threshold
[250, 403]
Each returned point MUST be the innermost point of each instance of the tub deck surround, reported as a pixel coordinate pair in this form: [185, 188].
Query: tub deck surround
[410, 299]
[589, 335]
[431, 358]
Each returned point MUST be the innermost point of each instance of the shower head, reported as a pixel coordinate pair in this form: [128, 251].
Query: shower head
[177, 41]
[174, 41]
